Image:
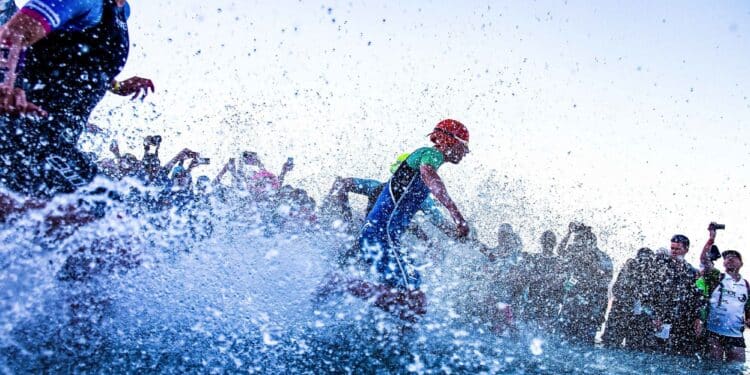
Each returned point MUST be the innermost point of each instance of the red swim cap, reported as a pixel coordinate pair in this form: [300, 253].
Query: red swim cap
[454, 130]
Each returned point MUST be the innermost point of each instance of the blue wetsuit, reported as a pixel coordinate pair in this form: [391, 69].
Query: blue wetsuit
[403, 195]
[67, 74]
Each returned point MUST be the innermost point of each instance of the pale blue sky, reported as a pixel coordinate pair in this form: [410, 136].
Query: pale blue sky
[629, 114]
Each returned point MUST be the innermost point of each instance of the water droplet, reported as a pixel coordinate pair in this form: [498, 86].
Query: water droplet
[536, 347]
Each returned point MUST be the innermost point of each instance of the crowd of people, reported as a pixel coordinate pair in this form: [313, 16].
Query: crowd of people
[659, 301]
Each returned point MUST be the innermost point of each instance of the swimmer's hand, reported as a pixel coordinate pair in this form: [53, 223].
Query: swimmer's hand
[13, 101]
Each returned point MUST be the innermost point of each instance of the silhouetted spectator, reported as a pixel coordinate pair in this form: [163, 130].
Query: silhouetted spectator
[678, 301]
[538, 304]
[583, 280]
[630, 321]
[504, 274]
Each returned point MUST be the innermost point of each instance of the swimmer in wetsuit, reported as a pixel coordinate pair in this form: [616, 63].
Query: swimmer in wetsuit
[58, 60]
[60, 57]
[411, 184]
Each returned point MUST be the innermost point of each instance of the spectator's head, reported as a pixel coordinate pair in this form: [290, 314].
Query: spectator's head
[452, 139]
[250, 158]
[202, 183]
[645, 253]
[181, 177]
[583, 236]
[679, 246]
[732, 260]
[128, 164]
[548, 241]
[508, 242]
[263, 183]
[505, 233]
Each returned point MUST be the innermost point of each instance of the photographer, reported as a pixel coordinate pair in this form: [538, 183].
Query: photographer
[152, 174]
[260, 182]
[725, 308]
[179, 189]
[121, 166]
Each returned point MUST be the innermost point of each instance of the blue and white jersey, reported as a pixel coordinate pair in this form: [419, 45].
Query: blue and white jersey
[726, 314]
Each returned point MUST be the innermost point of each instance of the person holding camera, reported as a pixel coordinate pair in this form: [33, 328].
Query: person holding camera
[152, 173]
[726, 311]
[260, 182]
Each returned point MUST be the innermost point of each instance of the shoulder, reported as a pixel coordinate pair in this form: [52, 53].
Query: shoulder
[426, 156]
[64, 14]
[127, 10]
[712, 275]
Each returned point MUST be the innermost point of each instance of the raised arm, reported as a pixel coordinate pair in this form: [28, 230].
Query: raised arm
[706, 261]
[179, 158]
[564, 241]
[288, 166]
[229, 166]
[114, 148]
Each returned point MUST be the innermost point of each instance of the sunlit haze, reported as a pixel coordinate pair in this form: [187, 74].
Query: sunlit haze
[628, 115]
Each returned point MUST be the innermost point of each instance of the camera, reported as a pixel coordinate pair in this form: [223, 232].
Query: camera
[716, 226]
[152, 140]
[714, 253]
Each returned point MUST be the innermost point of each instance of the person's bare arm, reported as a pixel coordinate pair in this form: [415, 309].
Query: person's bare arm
[288, 166]
[180, 157]
[705, 260]
[20, 32]
[222, 172]
[438, 190]
[564, 242]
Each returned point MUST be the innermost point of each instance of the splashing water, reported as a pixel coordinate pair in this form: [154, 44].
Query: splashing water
[135, 292]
